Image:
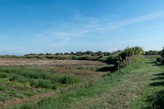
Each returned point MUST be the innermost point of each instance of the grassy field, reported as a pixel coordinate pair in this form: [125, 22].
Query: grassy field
[22, 83]
[137, 86]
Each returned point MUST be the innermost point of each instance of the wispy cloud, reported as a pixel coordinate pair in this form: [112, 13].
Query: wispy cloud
[61, 34]
[104, 25]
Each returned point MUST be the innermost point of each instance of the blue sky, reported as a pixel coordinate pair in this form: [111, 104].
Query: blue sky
[41, 26]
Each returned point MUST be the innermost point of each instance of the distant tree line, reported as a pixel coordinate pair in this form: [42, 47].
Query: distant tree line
[152, 52]
[91, 53]
[78, 53]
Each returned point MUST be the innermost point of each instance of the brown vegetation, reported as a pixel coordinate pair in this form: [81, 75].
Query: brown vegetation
[21, 61]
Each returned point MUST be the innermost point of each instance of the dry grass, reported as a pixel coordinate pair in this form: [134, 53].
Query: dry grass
[20, 61]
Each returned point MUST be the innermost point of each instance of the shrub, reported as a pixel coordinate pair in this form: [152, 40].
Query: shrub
[162, 53]
[125, 57]
[161, 59]
[112, 59]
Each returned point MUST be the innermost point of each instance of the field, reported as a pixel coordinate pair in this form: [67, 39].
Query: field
[61, 84]
[33, 79]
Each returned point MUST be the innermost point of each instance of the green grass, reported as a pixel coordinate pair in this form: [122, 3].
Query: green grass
[153, 95]
[23, 82]
[18, 82]
[137, 86]
[27, 75]
[119, 90]
[12, 90]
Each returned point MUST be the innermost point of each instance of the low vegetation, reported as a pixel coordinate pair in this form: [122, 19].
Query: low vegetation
[22, 82]
[16, 78]
[127, 79]
[134, 87]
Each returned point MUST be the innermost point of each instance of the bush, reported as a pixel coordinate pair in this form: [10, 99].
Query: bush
[125, 57]
[161, 59]
[112, 58]
[162, 53]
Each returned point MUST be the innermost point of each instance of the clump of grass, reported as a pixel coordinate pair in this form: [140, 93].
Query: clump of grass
[69, 80]
[37, 78]
[32, 82]
[46, 84]
[17, 78]
[3, 75]
[2, 88]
